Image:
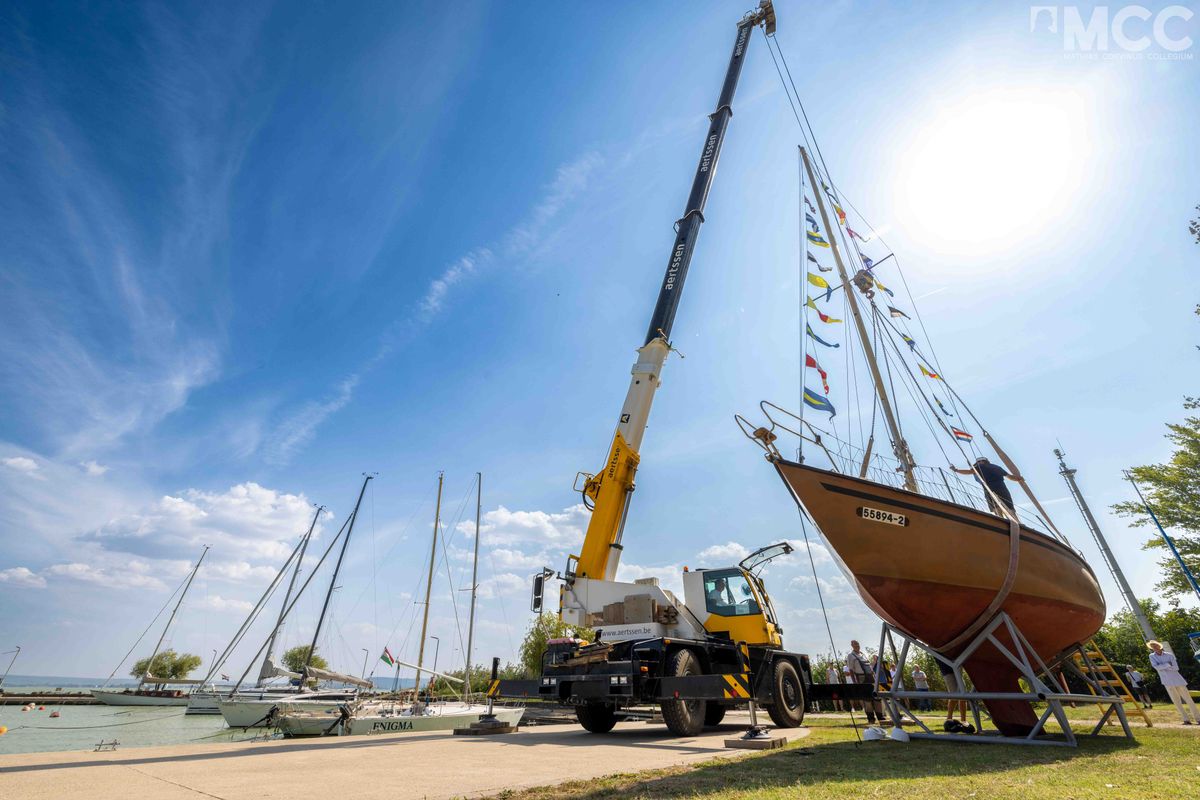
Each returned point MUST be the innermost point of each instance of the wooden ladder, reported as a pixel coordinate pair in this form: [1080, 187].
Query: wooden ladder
[1092, 662]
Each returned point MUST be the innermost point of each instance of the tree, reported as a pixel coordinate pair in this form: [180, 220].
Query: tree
[296, 658]
[542, 630]
[167, 664]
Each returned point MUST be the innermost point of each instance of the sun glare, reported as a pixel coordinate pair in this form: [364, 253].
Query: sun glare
[993, 169]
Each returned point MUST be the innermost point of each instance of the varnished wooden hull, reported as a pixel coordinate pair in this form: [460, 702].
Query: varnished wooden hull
[935, 575]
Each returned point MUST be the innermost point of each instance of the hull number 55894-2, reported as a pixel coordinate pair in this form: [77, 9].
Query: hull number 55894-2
[876, 515]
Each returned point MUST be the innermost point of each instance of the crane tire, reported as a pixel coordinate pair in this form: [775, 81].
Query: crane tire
[596, 717]
[787, 709]
[713, 714]
[684, 717]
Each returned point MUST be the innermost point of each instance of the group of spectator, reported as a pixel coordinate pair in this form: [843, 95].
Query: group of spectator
[858, 668]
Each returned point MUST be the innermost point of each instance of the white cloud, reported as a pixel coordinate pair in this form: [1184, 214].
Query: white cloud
[564, 528]
[21, 464]
[22, 577]
[215, 602]
[246, 522]
[112, 578]
[506, 583]
[298, 428]
[93, 468]
[721, 555]
[456, 273]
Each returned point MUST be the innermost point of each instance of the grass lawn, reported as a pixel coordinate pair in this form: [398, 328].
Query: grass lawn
[1163, 762]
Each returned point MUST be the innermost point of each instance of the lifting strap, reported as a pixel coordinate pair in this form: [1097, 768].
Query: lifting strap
[985, 616]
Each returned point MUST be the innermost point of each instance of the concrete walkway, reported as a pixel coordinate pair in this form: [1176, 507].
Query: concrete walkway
[422, 765]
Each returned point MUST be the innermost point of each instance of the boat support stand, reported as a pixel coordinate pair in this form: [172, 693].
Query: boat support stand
[1043, 688]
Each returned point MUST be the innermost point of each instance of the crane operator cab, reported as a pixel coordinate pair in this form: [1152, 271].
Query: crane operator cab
[732, 601]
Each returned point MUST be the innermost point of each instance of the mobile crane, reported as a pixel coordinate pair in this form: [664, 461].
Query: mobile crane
[720, 646]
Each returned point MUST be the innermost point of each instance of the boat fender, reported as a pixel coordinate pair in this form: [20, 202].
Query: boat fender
[898, 734]
[873, 734]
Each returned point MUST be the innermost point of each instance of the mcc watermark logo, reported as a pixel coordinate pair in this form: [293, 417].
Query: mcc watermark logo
[1131, 32]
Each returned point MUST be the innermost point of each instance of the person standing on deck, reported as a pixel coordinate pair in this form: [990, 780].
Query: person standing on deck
[992, 477]
[1172, 679]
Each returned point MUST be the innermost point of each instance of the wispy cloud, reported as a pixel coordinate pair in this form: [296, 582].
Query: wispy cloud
[22, 577]
[521, 241]
[22, 464]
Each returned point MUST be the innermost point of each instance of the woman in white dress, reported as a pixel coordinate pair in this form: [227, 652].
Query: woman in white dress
[1167, 667]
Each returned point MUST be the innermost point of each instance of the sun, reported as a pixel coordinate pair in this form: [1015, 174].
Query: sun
[994, 168]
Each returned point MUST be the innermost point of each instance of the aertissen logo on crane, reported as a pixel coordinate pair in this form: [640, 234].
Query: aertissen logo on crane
[673, 270]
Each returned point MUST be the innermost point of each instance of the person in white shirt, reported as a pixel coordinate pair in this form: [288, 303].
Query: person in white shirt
[832, 676]
[921, 684]
[1172, 679]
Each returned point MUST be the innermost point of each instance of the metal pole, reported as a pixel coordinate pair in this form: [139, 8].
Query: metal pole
[1126, 591]
[174, 611]
[366, 655]
[4, 677]
[312, 648]
[437, 648]
[1191, 579]
[474, 580]
[437, 521]
[266, 671]
[901, 447]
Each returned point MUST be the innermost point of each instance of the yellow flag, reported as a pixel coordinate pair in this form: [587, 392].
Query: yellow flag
[818, 281]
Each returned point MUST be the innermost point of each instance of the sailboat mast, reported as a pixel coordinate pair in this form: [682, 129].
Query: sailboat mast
[269, 659]
[437, 520]
[174, 611]
[902, 452]
[474, 579]
[312, 648]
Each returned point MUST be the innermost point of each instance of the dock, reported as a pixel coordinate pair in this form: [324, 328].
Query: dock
[365, 766]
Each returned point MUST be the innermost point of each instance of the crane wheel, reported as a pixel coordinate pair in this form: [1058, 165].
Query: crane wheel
[787, 711]
[713, 714]
[684, 717]
[596, 717]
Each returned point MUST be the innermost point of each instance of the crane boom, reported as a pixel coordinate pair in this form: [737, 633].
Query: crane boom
[609, 491]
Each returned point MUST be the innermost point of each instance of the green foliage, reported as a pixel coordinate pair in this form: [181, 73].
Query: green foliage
[542, 630]
[295, 658]
[1121, 640]
[167, 664]
[481, 676]
[1173, 491]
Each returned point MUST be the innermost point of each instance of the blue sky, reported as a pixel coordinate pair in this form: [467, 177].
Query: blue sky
[251, 252]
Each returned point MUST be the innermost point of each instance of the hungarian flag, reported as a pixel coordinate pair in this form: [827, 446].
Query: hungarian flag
[963, 435]
[387, 658]
[929, 374]
[809, 361]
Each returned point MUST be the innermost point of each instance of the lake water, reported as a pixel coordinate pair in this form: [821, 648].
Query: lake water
[81, 727]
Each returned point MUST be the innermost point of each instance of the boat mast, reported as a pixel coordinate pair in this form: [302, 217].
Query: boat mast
[4, 677]
[474, 579]
[898, 443]
[437, 520]
[267, 669]
[1130, 598]
[312, 648]
[174, 611]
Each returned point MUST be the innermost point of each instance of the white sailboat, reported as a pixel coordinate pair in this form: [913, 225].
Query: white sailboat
[389, 716]
[159, 694]
[258, 706]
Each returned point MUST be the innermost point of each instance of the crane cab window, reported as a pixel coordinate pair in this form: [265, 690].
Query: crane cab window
[727, 593]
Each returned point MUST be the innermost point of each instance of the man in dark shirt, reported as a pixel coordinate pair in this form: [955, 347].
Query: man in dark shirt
[992, 477]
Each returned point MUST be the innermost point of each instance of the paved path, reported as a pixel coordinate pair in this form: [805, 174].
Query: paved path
[433, 765]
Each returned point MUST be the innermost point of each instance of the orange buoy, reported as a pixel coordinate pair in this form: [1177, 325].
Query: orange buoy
[41, 708]
[3, 730]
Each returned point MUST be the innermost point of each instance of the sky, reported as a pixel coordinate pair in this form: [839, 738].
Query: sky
[253, 251]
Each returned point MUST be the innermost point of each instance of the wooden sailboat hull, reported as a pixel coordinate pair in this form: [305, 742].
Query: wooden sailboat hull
[936, 573]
